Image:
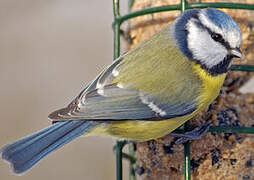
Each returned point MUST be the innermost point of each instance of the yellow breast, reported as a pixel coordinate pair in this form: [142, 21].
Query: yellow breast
[211, 85]
[147, 130]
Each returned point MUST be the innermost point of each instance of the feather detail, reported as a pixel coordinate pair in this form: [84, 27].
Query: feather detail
[26, 152]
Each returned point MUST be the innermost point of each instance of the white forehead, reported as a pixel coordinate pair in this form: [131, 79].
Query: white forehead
[232, 36]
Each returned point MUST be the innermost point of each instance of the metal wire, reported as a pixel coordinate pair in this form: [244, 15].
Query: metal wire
[249, 68]
[121, 19]
[183, 5]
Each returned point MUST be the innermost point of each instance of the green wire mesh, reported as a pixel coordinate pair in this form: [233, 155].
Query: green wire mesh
[183, 5]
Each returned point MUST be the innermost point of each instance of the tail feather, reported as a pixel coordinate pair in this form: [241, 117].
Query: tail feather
[26, 152]
[10, 149]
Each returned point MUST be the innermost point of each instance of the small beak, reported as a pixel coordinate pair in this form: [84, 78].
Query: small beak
[236, 53]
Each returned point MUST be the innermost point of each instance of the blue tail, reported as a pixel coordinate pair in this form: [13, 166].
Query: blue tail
[26, 152]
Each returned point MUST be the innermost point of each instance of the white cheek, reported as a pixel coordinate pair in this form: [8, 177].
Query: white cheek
[203, 47]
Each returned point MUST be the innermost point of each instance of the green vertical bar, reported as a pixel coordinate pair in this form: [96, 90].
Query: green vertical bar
[119, 144]
[116, 29]
[187, 173]
[119, 156]
[183, 5]
[187, 168]
[116, 40]
[116, 8]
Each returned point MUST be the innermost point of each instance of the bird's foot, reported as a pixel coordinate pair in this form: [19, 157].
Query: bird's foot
[196, 133]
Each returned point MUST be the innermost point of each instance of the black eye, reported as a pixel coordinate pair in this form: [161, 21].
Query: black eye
[217, 37]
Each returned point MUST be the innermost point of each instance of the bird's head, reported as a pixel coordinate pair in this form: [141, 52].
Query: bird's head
[209, 37]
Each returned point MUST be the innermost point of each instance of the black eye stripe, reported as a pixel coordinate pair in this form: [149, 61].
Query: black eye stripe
[220, 39]
[202, 26]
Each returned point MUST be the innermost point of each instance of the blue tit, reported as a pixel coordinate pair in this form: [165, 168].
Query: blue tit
[146, 93]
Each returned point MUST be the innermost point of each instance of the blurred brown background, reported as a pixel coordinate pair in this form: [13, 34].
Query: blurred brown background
[49, 50]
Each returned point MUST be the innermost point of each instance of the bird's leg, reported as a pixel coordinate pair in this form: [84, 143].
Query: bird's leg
[194, 134]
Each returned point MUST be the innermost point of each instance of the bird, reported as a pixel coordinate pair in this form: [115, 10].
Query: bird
[147, 92]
